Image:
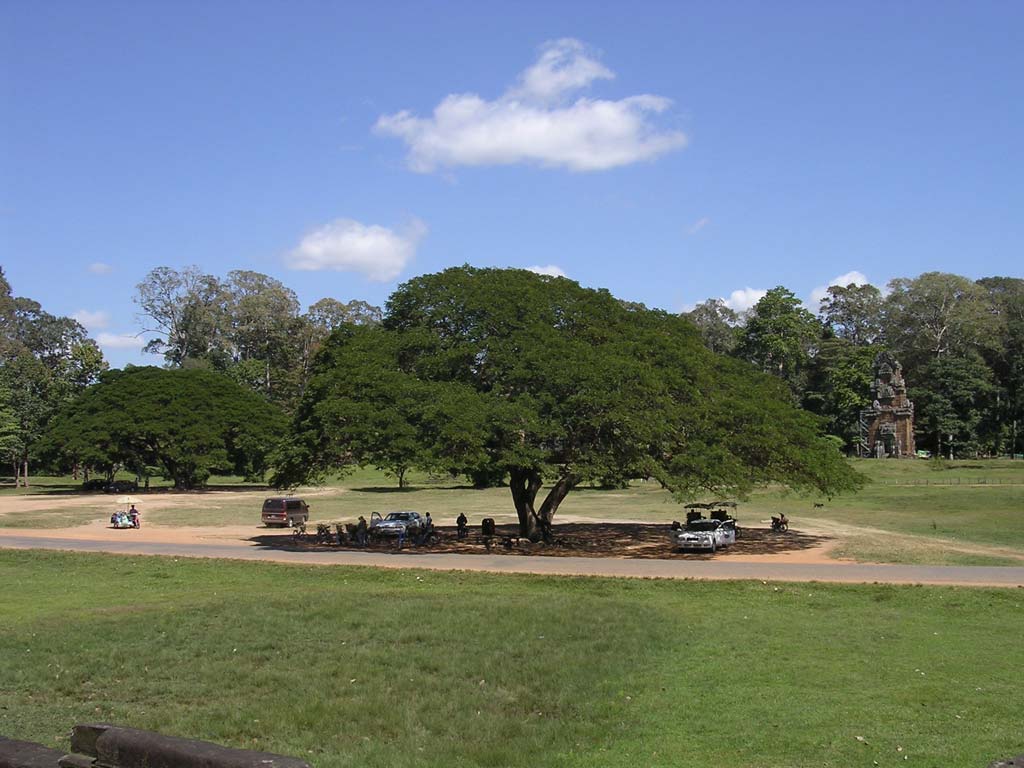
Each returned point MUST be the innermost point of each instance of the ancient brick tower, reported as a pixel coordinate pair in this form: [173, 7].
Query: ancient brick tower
[887, 427]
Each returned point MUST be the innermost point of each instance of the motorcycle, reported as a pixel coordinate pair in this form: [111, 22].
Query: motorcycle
[780, 523]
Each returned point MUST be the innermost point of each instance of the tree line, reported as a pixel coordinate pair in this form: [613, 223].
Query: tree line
[45, 362]
[961, 344]
[499, 375]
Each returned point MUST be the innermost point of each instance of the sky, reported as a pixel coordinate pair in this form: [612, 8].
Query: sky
[669, 152]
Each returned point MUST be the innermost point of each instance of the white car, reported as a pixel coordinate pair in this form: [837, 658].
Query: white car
[706, 535]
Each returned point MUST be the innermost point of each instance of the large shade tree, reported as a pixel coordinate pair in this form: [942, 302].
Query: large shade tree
[553, 385]
[189, 423]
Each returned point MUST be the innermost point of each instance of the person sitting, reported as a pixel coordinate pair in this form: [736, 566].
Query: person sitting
[463, 525]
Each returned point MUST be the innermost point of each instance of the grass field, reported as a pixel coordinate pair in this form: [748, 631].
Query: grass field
[359, 667]
[969, 512]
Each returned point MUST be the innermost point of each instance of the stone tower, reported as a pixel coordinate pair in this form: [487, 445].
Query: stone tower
[887, 427]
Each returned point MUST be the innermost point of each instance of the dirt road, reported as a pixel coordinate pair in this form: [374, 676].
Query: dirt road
[225, 543]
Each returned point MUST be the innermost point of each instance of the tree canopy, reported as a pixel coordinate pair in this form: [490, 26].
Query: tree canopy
[485, 369]
[187, 423]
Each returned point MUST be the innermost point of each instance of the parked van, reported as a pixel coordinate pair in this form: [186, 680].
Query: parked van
[285, 511]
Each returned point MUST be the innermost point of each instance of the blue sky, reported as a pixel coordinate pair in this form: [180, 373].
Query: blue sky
[669, 152]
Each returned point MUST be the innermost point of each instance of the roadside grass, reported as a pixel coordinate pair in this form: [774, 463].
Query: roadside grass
[348, 666]
[884, 547]
[984, 506]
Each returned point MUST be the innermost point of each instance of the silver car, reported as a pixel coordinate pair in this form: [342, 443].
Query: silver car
[396, 523]
[704, 535]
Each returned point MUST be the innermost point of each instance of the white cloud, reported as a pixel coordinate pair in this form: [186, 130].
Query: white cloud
[119, 341]
[563, 67]
[99, 268]
[743, 299]
[699, 225]
[550, 269]
[92, 320]
[852, 277]
[344, 245]
[535, 122]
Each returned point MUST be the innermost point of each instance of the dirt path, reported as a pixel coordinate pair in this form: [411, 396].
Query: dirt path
[591, 547]
[568, 566]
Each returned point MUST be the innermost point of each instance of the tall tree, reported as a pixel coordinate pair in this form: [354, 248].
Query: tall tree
[779, 337]
[839, 386]
[262, 314]
[718, 325]
[951, 404]
[186, 310]
[937, 314]
[1006, 359]
[44, 361]
[854, 313]
[549, 382]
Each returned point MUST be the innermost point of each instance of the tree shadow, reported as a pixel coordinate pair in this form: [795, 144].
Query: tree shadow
[75, 489]
[621, 540]
[56, 490]
[412, 489]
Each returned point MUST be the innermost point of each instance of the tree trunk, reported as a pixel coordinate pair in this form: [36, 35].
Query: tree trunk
[26, 472]
[535, 524]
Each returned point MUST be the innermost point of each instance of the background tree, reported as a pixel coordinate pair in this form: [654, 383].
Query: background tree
[779, 338]
[8, 422]
[718, 325]
[1006, 360]
[44, 361]
[951, 404]
[247, 325]
[186, 310]
[187, 422]
[262, 316]
[548, 382]
[937, 314]
[839, 386]
[853, 313]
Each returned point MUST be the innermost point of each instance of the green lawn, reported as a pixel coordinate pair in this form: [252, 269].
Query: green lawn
[360, 667]
[953, 503]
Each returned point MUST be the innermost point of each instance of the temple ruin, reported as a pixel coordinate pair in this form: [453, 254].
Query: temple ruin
[887, 427]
